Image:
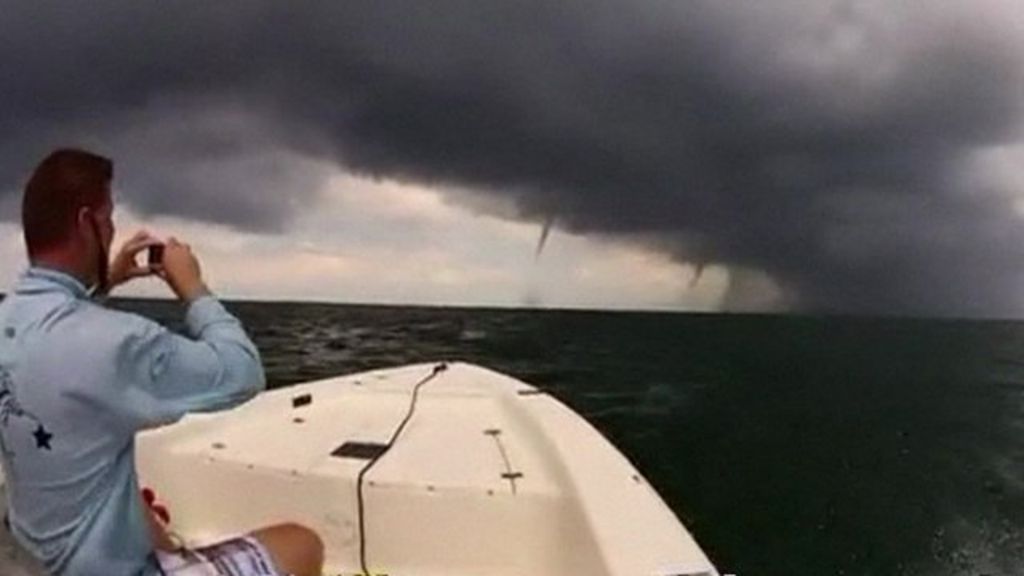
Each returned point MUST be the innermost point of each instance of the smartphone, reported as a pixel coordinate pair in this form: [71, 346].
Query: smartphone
[156, 254]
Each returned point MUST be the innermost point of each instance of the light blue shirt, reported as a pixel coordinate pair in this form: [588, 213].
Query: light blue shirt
[77, 381]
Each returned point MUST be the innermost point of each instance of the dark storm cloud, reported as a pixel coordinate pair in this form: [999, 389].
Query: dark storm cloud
[825, 145]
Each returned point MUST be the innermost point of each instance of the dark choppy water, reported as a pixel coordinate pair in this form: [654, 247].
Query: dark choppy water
[789, 446]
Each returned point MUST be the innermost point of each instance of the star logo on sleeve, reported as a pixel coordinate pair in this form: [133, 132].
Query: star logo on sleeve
[42, 438]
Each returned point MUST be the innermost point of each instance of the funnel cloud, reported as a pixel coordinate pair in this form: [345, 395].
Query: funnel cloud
[856, 156]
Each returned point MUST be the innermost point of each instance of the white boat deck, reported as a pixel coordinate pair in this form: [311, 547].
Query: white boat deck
[489, 476]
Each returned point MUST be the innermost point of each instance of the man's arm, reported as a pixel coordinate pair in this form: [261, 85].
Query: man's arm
[160, 375]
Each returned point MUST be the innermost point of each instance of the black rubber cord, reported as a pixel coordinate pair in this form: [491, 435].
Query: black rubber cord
[359, 480]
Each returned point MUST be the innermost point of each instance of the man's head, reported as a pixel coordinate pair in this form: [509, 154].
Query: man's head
[66, 213]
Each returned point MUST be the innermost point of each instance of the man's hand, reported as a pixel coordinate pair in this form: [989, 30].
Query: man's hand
[124, 267]
[158, 522]
[180, 269]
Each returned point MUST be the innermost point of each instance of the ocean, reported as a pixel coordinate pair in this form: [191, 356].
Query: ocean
[788, 445]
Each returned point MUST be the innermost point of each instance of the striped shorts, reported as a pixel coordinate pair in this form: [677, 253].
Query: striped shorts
[238, 557]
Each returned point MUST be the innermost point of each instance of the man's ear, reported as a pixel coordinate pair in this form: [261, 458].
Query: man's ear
[83, 220]
[84, 216]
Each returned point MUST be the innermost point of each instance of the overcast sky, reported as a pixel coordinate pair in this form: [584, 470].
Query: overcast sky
[859, 156]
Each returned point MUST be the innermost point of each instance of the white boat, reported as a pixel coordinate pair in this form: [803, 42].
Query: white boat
[465, 471]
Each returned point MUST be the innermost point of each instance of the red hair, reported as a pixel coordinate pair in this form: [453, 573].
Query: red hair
[64, 182]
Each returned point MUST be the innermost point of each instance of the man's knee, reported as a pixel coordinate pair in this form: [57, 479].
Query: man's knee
[311, 542]
[295, 548]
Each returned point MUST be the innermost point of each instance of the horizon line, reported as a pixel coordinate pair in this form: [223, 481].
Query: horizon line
[591, 310]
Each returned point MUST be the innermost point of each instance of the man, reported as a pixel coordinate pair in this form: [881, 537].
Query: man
[78, 380]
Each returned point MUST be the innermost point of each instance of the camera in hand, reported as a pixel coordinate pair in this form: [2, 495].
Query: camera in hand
[156, 254]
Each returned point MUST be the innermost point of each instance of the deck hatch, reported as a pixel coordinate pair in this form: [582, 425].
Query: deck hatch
[359, 450]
